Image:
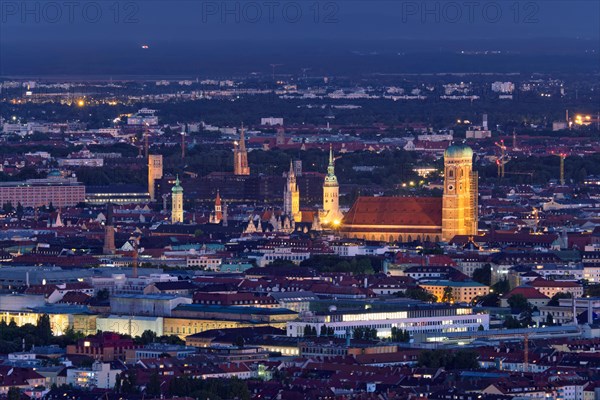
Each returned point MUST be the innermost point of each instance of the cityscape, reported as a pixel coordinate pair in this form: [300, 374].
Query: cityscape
[379, 217]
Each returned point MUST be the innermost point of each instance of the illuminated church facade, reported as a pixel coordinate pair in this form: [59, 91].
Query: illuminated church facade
[405, 219]
[330, 214]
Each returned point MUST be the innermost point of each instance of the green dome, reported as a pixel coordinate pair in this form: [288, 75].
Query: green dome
[54, 173]
[458, 151]
[177, 188]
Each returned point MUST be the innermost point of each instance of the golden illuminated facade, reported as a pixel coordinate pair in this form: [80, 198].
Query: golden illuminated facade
[462, 292]
[291, 196]
[217, 215]
[177, 203]
[183, 327]
[459, 202]
[240, 156]
[423, 219]
[155, 171]
[59, 322]
[330, 214]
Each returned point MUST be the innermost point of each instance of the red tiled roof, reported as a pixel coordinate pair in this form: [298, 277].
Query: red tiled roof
[540, 282]
[527, 292]
[411, 211]
[75, 298]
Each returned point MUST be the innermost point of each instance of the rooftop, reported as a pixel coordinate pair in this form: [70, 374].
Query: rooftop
[234, 309]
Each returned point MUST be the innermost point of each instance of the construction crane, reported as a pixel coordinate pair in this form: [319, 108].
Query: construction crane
[526, 351]
[183, 143]
[304, 72]
[502, 160]
[146, 135]
[273, 66]
[562, 166]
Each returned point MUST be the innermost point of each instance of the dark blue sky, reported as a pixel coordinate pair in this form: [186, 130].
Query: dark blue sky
[32, 31]
[149, 20]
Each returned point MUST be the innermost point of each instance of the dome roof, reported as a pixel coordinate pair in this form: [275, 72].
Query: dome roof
[177, 187]
[458, 151]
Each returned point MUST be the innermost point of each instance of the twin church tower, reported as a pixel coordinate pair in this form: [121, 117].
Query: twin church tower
[371, 218]
[329, 214]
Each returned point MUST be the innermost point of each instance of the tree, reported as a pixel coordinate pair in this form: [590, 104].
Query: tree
[512, 323]
[323, 330]
[461, 359]
[549, 320]
[358, 333]
[518, 303]
[464, 359]
[20, 211]
[418, 293]
[364, 333]
[148, 337]
[501, 287]
[153, 387]
[281, 263]
[448, 296]
[308, 330]
[239, 341]
[560, 295]
[102, 295]
[129, 382]
[118, 383]
[483, 275]
[489, 300]
[399, 335]
[43, 329]
[14, 393]
[7, 208]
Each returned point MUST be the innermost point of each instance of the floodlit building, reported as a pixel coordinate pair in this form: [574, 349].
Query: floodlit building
[101, 376]
[406, 219]
[428, 318]
[61, 192]
[177, 203]
[240, 156]
[291, 196]
[155, 171]
[330, 214]
[462, 292]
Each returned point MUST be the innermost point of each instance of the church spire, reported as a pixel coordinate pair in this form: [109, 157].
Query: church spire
[331, 166]
[291, 195]
[330, 213]
[240, 156]
[177, 202]
[330, 178]
[242, 138]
